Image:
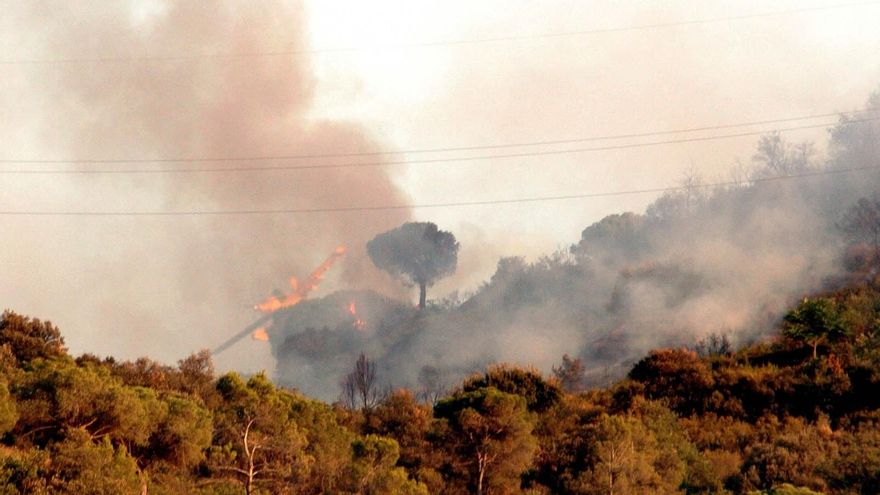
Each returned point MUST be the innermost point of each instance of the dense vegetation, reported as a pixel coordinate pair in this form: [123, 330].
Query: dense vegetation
[795, 414]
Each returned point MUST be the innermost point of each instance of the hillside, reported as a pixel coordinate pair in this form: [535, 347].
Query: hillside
[725, 257]
[711, 419]
[306, 247]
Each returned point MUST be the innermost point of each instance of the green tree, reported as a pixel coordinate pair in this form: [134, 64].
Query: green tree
[82, 467]
[623, 458]
[29, 338]
[528, 383]
[814, 321]
[416, 252]
[256, 439]
[409, 423]
[676, 375]
[329, 446]
[57, 396]
[615, 236]
[855, 141]
[373, 469]
[183, 434]
[489, 434]
[8, 410]
[564, 435]
[196, 376]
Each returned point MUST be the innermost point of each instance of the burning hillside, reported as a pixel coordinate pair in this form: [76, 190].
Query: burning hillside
[300, 291]
[315, 342]
[260, 329]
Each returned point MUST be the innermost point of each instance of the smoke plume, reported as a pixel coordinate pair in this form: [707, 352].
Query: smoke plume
[699, 262]
[164, 286]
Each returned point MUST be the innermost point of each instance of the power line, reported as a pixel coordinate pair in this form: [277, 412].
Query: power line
[312, 166]
[440, 43]
[352, 209]
[522, 144]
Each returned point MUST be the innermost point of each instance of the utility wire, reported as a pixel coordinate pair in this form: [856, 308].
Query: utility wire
[312, 166]
[428, 150]
[345, 209]
[440, 43]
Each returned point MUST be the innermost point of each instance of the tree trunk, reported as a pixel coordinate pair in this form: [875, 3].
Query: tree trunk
[249, 482]
[481, 465]
[423, 292]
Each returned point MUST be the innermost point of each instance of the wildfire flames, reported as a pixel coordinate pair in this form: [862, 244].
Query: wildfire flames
[260, 334]
[358, 324]
[300, 291]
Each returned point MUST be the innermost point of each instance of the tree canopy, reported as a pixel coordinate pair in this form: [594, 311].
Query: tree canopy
[418, 253]
[763, 419]
[814, 321]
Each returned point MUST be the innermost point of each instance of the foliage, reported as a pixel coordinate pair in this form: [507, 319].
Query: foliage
[488, 434]
[677, 375]
[416, 252]
[814, 321]
[624, 459]
[29, 339]
[759, 420]
[83, 467]
[255, 438]
[373, 469]
[539, 394]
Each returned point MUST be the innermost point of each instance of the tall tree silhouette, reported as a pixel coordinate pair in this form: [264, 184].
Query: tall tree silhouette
[418, 253]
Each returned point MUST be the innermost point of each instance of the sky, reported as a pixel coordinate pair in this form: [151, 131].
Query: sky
[370, 76]
[580, 86]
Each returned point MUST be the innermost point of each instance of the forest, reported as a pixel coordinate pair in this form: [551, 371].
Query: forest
[304, 247]
[770, 385]
[796, 413]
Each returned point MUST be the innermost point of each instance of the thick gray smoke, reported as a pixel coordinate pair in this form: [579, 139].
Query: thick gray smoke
[166, 286]
[699, 261]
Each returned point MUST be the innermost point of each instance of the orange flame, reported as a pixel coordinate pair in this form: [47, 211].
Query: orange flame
[260, 334]
[358, 324]
[301, 291]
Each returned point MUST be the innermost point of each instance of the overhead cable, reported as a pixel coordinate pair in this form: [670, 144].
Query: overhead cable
[452, 204]
[378, 163]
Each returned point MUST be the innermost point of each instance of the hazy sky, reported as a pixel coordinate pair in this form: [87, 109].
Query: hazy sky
[581, 86]
[386, 95]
